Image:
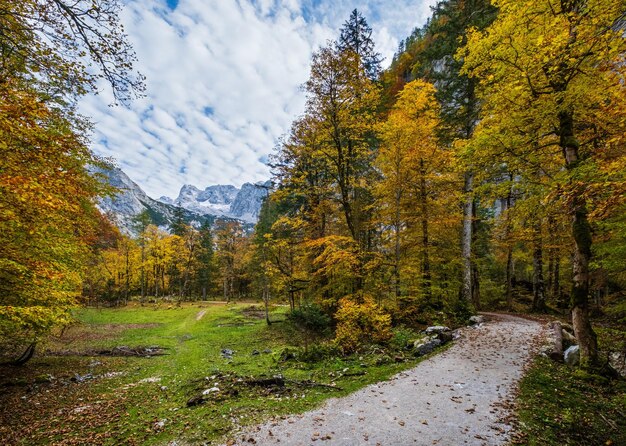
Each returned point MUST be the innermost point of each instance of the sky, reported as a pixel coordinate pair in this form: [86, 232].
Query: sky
[223, 82]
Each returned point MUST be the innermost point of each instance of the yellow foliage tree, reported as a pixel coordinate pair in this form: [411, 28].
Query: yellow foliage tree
[553, 83]
[415, 199]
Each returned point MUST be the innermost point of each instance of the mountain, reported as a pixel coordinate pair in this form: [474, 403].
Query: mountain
[218, 201]
[223, 200]
[247, 203]
[214, 200]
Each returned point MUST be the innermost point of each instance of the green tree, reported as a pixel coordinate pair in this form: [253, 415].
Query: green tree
[356, 36]
[206, 260]
[178, 226]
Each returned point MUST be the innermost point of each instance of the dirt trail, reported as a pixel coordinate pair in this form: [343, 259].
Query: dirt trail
[458, 397]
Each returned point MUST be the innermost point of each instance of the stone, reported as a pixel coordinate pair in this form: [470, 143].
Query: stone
[426, 347]
[255, 353]
[477, 319]
[211, 390]
[445, 337]
[572, 355]
[439, 332]
[227, 353]
[79, 379]
[436, 329]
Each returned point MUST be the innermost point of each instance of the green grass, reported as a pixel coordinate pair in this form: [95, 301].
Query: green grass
[559, 405]
[143, 400]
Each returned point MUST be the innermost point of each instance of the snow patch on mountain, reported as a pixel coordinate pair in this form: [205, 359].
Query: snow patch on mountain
[223, 200]
[217, 201]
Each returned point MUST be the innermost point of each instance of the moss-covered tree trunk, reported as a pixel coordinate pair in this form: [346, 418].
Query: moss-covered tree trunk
[581, 232]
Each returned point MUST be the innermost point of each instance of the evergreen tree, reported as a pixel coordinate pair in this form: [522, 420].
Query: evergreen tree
[206, 268]
[178, 225]
[356, 36]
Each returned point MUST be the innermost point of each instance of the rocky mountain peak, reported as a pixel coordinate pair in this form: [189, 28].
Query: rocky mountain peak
[217, 201]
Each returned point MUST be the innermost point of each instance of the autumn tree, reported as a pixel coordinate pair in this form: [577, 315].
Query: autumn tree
[231, 243]
[341, 108]
[429, 54]
[51, 52]
[66, 47]
[414, 196]
[553, 76]
[46, 215]
[206, 272]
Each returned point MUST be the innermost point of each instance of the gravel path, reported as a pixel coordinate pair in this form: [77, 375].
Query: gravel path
[458, 397]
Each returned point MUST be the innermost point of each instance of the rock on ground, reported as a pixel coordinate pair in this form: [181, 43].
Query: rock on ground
[572, 355]
[459, 397]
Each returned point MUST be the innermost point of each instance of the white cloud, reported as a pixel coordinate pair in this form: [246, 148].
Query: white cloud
[223, 82]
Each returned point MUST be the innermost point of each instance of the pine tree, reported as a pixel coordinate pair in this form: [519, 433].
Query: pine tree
[206, 262]
[178, 225]
[356, 36]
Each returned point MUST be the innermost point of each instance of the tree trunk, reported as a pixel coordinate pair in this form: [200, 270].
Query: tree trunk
[550, 279]
[556, 284]
[426, 275]
[127, 290]
[557, 349]
[475, 286]
[581, 232]
[474, 265]
[396, 265]
[509, 278]
[143, 272]
[466, 239]
[266, 302]
[509, 250]
[539, 296]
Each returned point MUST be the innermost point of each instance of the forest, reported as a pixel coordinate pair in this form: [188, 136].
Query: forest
[470, 174]
[483, 170]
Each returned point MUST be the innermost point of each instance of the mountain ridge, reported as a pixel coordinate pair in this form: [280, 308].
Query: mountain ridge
[212, 203]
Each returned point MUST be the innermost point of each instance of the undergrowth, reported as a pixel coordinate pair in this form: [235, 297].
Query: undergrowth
[560, 405]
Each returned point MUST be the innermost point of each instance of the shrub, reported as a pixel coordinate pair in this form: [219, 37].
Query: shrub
[311, 321]
[403, 337]
[361, 321]
[319, 352]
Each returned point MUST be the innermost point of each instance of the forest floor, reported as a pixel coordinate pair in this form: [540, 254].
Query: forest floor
[463, 396]
[87, 388]
[102, 382]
